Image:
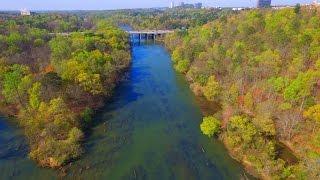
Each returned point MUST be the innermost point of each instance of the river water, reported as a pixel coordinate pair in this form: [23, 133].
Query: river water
[148, 130]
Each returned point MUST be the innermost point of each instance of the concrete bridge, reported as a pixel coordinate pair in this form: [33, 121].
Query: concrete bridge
[144, 34]
[152, 34]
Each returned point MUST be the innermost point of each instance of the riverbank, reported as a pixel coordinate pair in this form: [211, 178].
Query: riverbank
[264, 98]
[54, 97]
[85, 111]
[209, 108]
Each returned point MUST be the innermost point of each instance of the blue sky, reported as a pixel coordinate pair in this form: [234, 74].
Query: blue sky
[120, 4]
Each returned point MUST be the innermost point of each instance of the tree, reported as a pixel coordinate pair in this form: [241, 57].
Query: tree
[70, 69]
[313, 113]
[248, 101]
[15, 42]
[87, 116]
[39, 42]
[182, 66]
[288, 123]
[279, 83]
[34, 95]
[281, 26]
[90, 82]
[60, 48]
[300, 87]
[15, 84]
[210, 126]
[297, 8]
[269, 63]
[241, 128]
[52, 131]
[177, 54]
[75, 135]
[212, 89]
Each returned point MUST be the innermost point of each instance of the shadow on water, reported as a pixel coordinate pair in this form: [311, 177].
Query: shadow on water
[11, 146]
[14, 162]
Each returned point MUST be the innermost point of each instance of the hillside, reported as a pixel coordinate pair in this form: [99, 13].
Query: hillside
[263, 68]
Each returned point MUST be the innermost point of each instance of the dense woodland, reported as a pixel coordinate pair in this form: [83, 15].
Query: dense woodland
[263, 68]
[178, 18]
[53, 82]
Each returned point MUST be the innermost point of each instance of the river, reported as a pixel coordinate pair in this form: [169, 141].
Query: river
[148, 130]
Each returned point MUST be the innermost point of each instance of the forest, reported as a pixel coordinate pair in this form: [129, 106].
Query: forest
[263, 68]
[163, 19]
[52, 83]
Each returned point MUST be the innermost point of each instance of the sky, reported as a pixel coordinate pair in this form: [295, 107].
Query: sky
[124, 4]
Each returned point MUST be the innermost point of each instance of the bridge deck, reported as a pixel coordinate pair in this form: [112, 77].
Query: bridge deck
[151, 32]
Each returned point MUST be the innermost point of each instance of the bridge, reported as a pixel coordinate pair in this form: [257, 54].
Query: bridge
[153, 34]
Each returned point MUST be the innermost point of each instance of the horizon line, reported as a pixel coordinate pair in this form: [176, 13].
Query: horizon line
[140, 8]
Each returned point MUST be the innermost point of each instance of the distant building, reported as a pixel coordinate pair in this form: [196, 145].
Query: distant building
[282, 7]
[172, 4]
[190, 6]
[198, 5]
[25, 12]
[238, 9]
[182, 4]
[263, 3]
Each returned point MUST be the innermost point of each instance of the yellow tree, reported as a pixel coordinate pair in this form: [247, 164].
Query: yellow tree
[212, 89]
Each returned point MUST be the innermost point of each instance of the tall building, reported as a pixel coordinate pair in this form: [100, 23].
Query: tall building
[263, 3]
[172, 4]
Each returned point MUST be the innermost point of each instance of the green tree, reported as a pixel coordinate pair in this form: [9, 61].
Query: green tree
[34, 95]
[87, 116]
[15, 84]
[15, 42]
[210, 126]
[301, 87]
[182, 66]
[279, 83]
[60, 48]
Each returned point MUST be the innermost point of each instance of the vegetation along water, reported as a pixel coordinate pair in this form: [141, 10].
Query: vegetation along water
[149, 129]
[229, 92]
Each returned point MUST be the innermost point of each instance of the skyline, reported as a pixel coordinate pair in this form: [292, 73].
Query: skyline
[121, 4]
